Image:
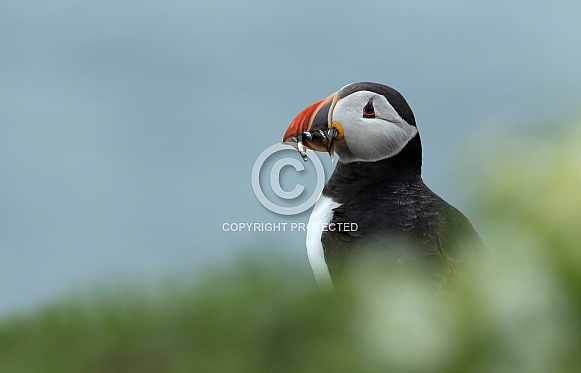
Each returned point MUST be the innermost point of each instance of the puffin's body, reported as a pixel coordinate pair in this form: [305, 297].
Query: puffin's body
[377, 188]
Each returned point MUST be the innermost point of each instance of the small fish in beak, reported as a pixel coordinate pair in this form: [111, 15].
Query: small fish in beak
[314, 129]
[319, 138]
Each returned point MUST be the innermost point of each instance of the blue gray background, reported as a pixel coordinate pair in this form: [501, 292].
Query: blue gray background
[129, 129]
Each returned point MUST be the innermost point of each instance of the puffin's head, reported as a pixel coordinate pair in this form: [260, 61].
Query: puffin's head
[361, 122]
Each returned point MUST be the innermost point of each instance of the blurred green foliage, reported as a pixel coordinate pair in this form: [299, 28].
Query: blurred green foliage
[262, 316]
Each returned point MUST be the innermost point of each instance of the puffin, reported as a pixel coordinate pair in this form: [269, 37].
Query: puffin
[375, 202]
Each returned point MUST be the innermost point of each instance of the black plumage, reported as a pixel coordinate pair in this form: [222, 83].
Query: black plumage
[397, 216]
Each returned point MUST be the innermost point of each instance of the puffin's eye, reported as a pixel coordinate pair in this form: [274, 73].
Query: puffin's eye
[369, 110]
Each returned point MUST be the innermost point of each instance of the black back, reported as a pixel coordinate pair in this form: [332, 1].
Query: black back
[397, 215]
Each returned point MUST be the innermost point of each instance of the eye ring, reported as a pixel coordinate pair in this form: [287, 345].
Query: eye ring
[369, 110]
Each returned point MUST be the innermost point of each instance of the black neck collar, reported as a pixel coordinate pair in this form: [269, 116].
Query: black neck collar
[408, 160]
[406, 165]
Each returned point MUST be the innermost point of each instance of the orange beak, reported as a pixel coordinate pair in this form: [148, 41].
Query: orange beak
[313, 127]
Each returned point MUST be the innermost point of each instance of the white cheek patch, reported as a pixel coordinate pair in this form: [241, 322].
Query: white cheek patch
[382, 141]
[371, 139]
